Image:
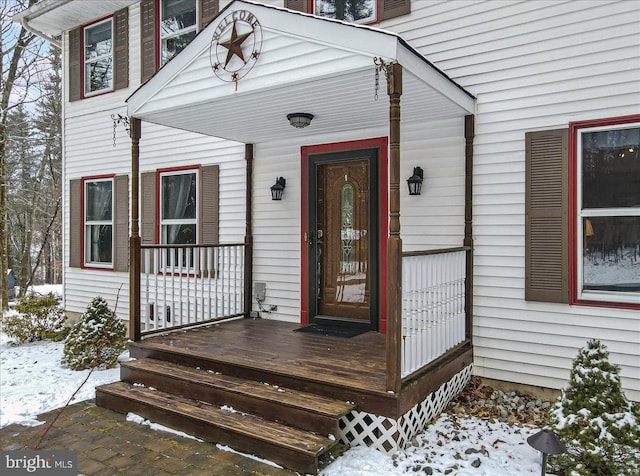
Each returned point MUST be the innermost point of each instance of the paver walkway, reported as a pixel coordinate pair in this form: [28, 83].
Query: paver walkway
[107, 444]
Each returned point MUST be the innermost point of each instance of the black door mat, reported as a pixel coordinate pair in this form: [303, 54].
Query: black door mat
[331, 331]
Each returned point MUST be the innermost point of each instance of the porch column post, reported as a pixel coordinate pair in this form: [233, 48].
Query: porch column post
[134, 240]
[394, 243]
[469, 134]
[248, 234]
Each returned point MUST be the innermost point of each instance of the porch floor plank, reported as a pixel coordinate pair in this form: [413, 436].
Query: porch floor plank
[357, 362]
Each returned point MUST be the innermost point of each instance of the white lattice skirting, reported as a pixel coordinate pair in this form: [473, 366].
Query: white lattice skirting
[388, 434]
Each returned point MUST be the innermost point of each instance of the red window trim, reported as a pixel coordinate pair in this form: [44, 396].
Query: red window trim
[158, 35]
[574, 128]
[159, 172]
[83, 93]
[83, 264]
[382, 144]
[310, 9]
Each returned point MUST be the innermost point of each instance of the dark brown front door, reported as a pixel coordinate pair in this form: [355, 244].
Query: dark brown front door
[344, 239]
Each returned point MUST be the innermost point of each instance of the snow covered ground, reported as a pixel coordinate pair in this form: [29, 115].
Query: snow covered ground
[32, 381]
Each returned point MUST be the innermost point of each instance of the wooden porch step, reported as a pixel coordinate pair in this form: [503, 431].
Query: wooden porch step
[290, 447]
[292, 407]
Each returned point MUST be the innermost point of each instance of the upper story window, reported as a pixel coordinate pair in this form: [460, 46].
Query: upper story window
[98, 222]
[98, 57]
[355, 11]
[608, 212]
[167, 26]
[177, 26]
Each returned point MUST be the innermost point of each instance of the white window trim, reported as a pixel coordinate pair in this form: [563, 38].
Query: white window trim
[594, 295]
[97, 58]
[364, 21]
[162, 37]
[97, 264]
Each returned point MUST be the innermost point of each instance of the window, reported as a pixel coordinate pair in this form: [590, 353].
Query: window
[178, 210]
[178, 21]
[355, 11]
[98, 222]
[178, 219]
[608, 212]
[98, 57]
[177, 26]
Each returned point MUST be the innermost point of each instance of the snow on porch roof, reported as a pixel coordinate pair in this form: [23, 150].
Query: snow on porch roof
[306, 64]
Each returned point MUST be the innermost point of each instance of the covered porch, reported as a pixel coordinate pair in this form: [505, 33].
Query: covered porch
[191, 305]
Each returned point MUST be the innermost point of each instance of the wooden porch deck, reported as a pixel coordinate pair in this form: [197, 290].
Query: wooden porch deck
[260, 387]
[350, 369]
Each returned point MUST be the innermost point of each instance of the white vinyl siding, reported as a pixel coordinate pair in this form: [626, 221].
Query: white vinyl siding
[532, 66]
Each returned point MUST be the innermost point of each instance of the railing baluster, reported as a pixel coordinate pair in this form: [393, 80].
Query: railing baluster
[433, 306]
[190, 284]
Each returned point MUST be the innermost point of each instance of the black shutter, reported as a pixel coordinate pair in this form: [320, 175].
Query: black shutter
[394, 8]
[75, 69]
[208, 9]
[121, 49]
[148, 40]
[546, 221]
[121, 223]
[299, 5]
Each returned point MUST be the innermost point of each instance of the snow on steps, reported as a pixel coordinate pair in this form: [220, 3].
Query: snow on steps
[232, 411]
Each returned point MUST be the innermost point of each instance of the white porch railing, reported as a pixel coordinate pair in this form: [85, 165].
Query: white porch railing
[433, 306]
[185, 285]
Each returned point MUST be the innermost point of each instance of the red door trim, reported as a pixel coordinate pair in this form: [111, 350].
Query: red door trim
[382, 144]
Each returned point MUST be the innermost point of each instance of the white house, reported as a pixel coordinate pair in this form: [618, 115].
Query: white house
[190, 198]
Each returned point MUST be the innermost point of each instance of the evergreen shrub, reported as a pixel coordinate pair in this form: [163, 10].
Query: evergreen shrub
[38, 317]
[96, 340]
[594, 419]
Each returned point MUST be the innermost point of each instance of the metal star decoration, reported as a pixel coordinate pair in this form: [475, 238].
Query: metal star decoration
[234, 45]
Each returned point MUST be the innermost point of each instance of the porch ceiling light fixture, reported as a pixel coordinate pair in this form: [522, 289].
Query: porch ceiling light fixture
[546, 442]
[415, 181]
[278, 188]
[299, 119]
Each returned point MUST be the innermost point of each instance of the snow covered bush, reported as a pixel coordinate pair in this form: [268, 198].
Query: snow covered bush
[592, 416]
[96, 340]
[37, 318]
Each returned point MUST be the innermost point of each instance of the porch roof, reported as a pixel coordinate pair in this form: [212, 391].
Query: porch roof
[306, 64]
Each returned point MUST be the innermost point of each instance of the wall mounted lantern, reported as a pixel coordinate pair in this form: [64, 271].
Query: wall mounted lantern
[415, 181]
[278, 188]
[299, 119]
[547, 443]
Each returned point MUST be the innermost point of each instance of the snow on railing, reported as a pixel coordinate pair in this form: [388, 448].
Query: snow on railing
[433, 306]
[185, 285]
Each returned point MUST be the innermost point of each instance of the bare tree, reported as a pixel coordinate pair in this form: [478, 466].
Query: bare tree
[20, 68]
